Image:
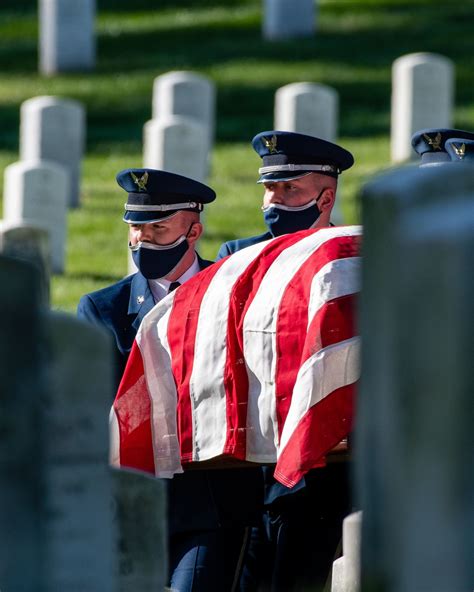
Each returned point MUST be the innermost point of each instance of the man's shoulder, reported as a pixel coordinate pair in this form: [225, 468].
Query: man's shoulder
[108, 299]
[112, 291]
[241, 243]
[203, 263]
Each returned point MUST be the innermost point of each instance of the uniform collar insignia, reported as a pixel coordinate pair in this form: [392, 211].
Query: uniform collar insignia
[140, 182]
[460, 151]
[435, 143]
[140, 299]
[271, 144]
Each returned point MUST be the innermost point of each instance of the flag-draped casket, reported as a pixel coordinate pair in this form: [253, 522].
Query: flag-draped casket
[256, 358]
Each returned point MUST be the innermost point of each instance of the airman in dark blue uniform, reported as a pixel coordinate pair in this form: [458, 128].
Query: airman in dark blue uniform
[295, 545]
[299, 175]
[209, 510]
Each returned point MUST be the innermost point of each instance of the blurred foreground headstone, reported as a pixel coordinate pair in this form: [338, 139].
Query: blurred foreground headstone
[414, 447]
[140, 518]
[29, 243]
[77, 511]
[68, 521]
[22, 386]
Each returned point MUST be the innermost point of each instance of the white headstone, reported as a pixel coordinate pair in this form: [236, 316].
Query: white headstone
[29, 243]
[338, 582]
[422, 97]
[351, 538]
[307, 108]
[35, 193]
[188, 94]
[176, 144]
[53, 128]
[283, 19]
[346, 569]
[67, 39]
[312, 109]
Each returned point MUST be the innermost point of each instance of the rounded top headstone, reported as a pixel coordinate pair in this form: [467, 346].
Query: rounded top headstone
[175, 75]
[45, 101]
[23, 167]
[307, 87]
[422, 57]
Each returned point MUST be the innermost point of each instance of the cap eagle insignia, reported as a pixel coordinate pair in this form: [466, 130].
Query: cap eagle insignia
[271, 144]
[436, 142]
[140, 182]
[460, 151]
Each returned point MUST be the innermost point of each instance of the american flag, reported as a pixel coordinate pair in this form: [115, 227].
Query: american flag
[256, 358]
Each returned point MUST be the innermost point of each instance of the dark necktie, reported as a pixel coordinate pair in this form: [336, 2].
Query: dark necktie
[173, 286]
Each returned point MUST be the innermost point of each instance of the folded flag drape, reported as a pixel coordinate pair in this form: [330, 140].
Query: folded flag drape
[256, 358]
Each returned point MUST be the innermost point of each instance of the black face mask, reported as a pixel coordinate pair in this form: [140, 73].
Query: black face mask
[157, 261]
[280, 219]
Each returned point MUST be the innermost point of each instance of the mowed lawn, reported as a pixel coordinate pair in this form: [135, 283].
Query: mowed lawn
[353, 51]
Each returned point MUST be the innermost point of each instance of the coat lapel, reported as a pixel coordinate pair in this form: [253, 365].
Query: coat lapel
[141, 299]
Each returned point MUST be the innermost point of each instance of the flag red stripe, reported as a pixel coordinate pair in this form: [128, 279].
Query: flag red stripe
[333, 323]
[322, 428]
[132, 408]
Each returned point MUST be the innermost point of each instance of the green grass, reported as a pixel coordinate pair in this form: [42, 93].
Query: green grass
[353, 50]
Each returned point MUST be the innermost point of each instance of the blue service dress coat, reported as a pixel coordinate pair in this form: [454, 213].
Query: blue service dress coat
[197, 499]
[236, 245]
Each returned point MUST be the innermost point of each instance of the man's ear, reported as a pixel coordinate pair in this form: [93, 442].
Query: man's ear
[194, 232]
[326, 199]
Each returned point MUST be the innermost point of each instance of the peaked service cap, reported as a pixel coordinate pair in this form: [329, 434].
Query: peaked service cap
[289, 155]
[155, 195]
[460, 150]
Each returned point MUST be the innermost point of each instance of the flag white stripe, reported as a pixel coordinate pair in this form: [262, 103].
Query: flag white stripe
[208, 396]
[152, 340]
[114, 439]
[338, 278]
[331, 368]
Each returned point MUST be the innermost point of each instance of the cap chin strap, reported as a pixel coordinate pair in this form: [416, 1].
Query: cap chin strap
[324, 168]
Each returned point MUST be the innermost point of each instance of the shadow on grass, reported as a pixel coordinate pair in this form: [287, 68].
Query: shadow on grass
[127, 6]
[245, 107]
